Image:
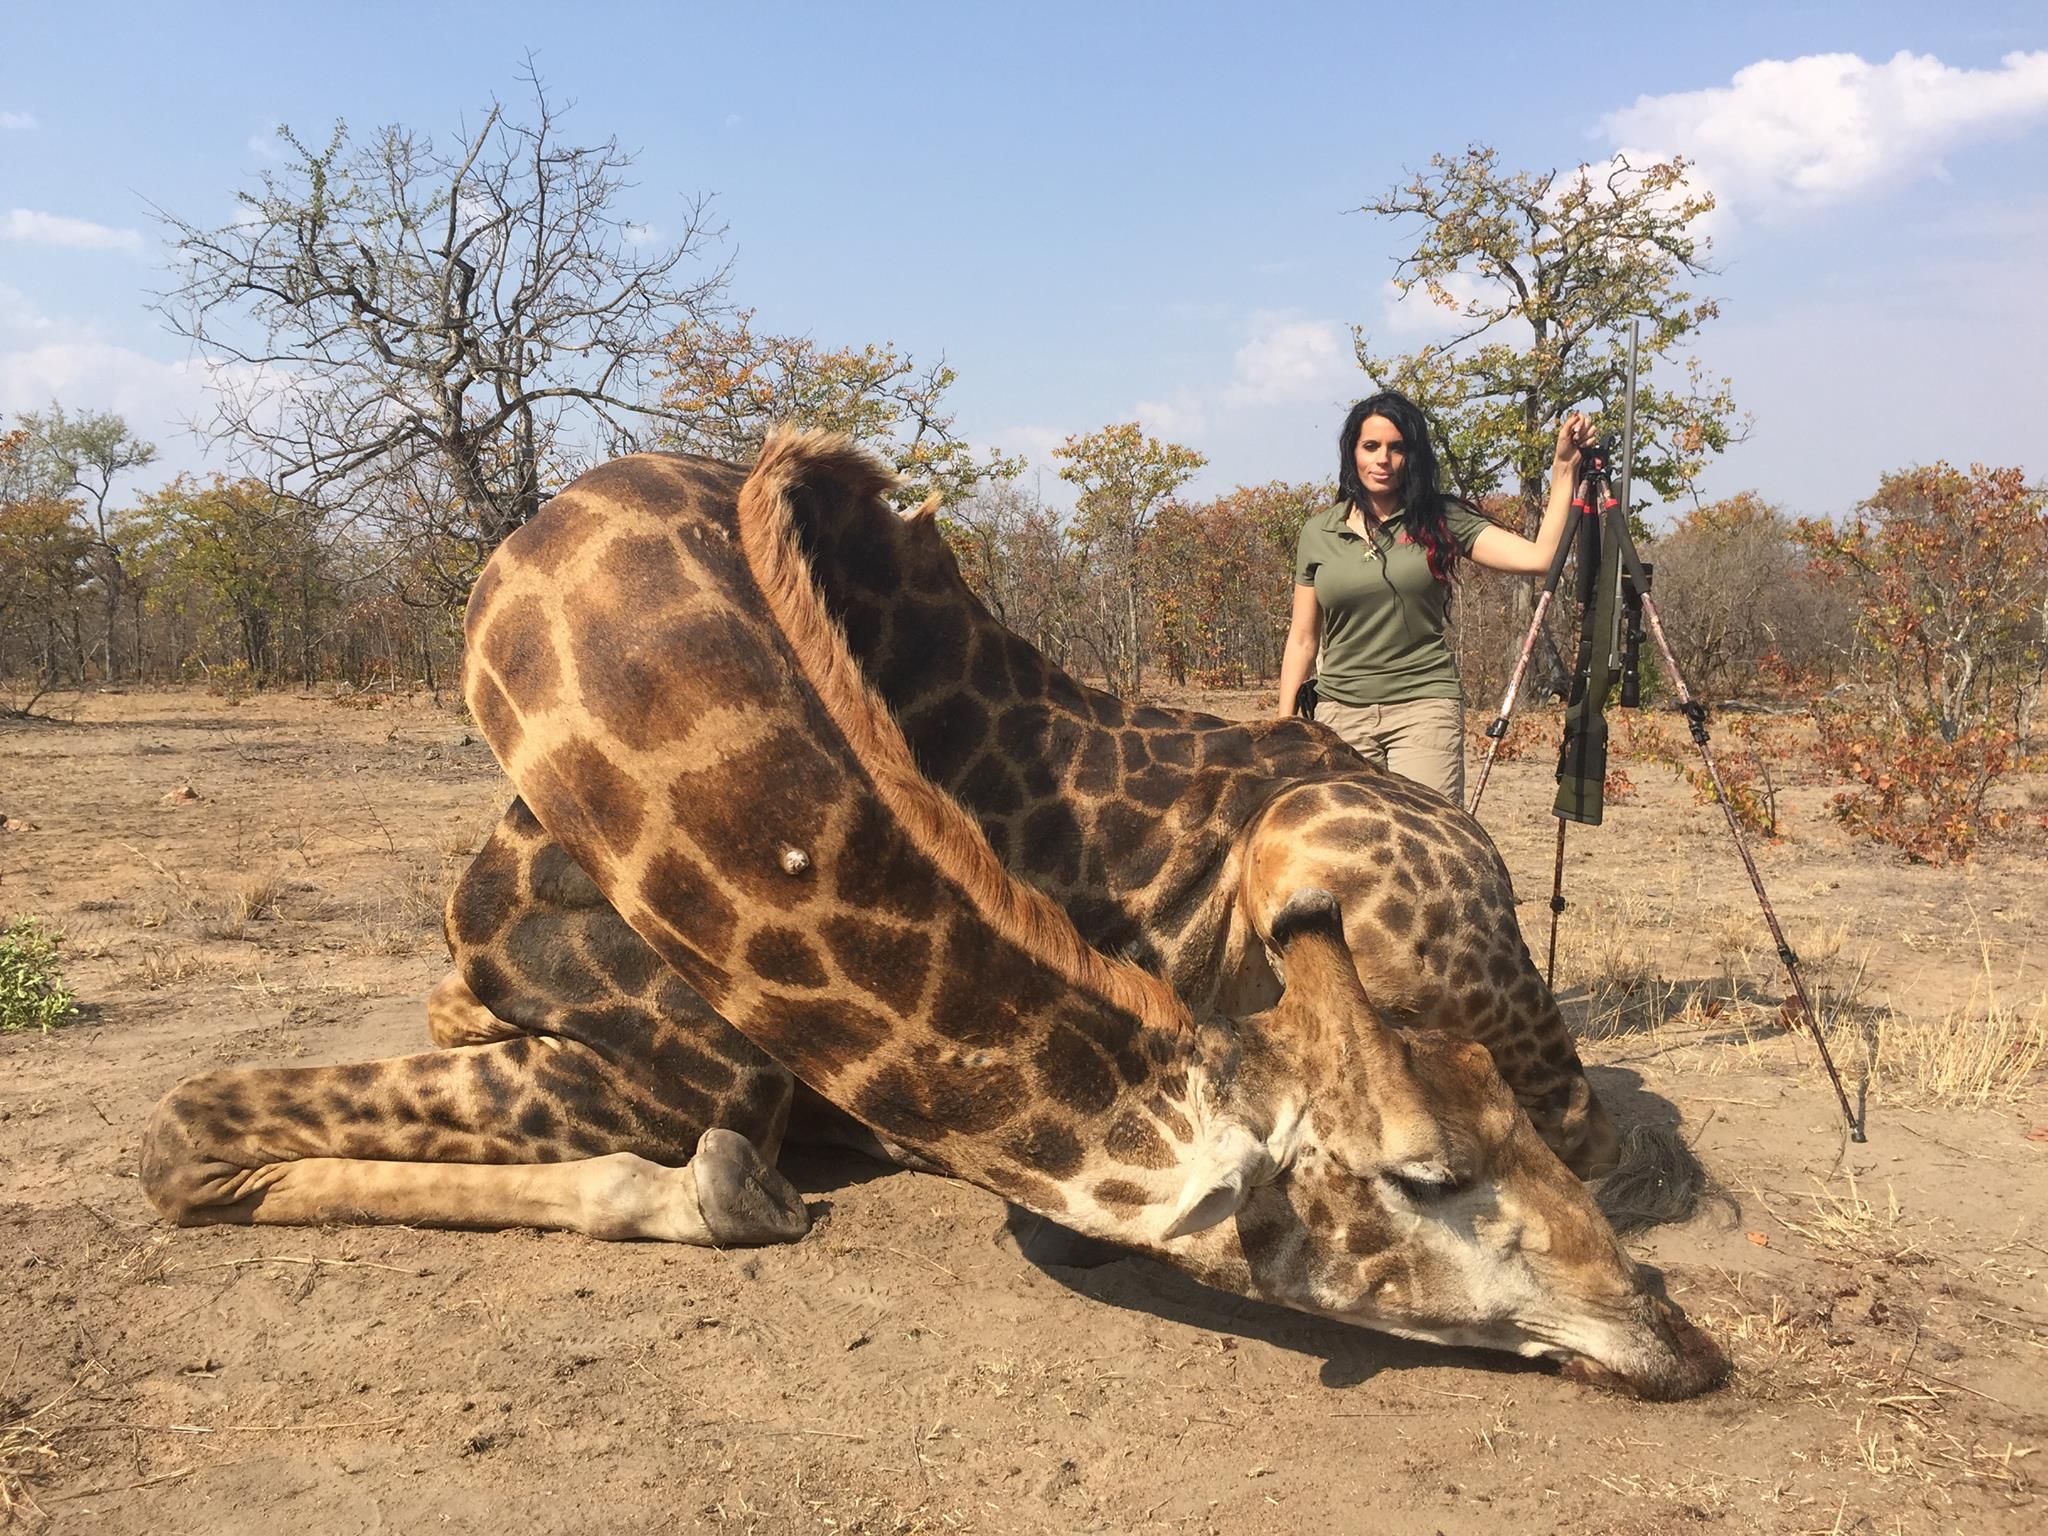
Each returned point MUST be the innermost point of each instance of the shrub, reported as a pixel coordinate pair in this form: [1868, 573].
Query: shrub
[32, 993]
[1743, 751]
[1743, 617]
[1948, 573]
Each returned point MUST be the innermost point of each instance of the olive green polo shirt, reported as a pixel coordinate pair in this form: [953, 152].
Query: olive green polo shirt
[1383, 612]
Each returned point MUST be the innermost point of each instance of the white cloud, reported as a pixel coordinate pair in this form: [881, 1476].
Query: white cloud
[1180, 418]
[1035, 443]
[1817, 129]
[20, 121]
[1416, 314]
[19, 314]
[1289, 360]
[159, 400]
[265, 144]
[641, 234]
[29, 227]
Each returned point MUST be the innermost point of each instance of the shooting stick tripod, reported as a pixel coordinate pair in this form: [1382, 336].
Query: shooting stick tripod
[1599, 525]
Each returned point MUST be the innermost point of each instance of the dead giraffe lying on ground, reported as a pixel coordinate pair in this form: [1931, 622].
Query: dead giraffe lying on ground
[1166, 835]
[681, 709]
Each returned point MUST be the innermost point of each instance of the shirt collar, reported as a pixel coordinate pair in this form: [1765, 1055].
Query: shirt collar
[1336, 518]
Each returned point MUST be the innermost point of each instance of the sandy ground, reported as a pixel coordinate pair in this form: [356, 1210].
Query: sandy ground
[905, 1368]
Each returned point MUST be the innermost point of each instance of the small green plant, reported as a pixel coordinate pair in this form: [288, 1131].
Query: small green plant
[32, 993]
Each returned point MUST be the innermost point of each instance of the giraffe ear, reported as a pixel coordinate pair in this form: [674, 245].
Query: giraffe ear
[1223, 1169]
[1322, 983]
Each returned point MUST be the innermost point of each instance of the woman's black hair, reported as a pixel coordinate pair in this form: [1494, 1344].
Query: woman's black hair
[1421, 499]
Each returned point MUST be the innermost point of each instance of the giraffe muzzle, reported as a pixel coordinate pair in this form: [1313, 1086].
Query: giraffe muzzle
[1668, 1358]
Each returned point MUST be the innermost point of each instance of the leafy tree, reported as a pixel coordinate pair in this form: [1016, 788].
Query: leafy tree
[1217, 577]
[1124, 479]
[727, 384]
[246, 560]
[436, 335]
[1015, 554]
[1541, 274]
[1948, 574]
[43, 569]
[83, 455]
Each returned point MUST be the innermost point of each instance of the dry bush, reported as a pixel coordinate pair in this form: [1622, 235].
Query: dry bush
[1947, 573]
[1730, 586]
[1749, 753]
[1489, 619]
[1914, 788]
[1477, 742]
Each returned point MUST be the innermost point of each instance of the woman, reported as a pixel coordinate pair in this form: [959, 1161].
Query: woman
[1373, 585]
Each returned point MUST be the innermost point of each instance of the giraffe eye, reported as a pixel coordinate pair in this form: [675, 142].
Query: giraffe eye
[1421, 1190]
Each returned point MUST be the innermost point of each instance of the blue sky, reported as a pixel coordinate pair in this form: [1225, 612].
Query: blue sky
[1101, 212]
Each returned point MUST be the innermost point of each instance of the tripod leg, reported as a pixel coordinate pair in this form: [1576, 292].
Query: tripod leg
[1696, 714]
[1497, 732]
[1556, 909]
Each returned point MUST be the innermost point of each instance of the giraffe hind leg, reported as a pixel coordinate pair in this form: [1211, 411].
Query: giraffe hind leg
[526, 1132]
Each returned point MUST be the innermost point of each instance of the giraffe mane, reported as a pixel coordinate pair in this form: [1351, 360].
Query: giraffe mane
[931, 818]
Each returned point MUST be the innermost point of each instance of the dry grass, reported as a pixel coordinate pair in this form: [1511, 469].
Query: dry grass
[422, 897]
[1604, 965]
[1965, 1057]
[461, 840]
[1985, 1052]
[226, 914]
[26, 1456]
[1843, 1221]
[408, 921]
[165, 965]
[28, 1448]
[1889, 1410]
[215, 911]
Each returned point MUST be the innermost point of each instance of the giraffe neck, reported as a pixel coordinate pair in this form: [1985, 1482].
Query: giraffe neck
[1128, 816]
[689, 723]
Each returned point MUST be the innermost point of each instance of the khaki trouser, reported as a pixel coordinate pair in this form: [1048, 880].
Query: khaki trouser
[1423, 739]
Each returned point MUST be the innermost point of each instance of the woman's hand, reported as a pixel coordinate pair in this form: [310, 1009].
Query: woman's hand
[1574, 433]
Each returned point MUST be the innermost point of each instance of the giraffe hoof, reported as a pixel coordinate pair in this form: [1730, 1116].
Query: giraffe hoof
[743, 1199]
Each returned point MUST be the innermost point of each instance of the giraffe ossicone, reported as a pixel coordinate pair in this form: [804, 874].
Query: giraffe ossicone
[803, 831]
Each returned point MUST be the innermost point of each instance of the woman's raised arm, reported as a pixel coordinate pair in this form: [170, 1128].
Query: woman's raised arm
[1502, 549]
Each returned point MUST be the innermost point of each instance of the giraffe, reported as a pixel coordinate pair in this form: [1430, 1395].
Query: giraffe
[1163, 833]
[679, 708]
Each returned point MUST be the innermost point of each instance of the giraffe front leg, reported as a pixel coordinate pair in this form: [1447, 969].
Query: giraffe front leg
[528, 1132]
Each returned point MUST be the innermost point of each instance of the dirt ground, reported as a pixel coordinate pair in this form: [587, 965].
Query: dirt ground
[904, 1367]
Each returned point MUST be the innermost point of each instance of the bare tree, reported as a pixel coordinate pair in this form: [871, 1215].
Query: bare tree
[435, 337]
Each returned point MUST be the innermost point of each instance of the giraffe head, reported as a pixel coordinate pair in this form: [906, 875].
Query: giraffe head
[1388, 1178]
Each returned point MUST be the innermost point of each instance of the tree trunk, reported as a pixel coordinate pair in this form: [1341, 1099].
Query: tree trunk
[1131, 613]
[115, 591]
